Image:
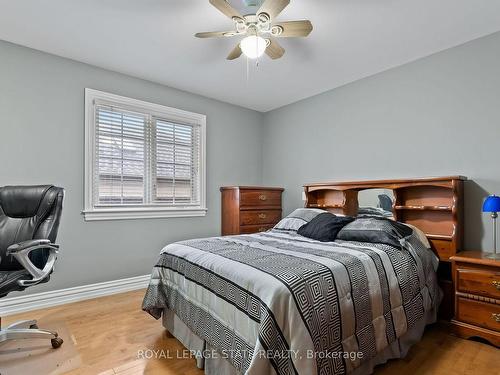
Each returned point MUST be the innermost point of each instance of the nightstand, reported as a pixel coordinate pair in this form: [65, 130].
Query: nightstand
[477, 296]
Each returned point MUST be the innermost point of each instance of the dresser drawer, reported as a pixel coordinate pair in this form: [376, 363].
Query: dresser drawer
[260, 217]
[248, 229]
[482, 314]
[260, 198]
[477, 281]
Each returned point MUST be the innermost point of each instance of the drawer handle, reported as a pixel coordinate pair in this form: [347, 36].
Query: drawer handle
[262, 197]
[264, 229]
[495, 317]
[262, 216]
[496, 284]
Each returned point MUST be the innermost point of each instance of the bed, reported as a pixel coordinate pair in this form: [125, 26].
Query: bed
[279, 302]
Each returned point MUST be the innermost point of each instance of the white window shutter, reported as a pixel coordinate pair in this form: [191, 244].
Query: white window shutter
[120, 156]
[175, 163]
[145, 157]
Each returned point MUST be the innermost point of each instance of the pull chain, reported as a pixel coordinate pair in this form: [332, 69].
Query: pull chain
[248, 68]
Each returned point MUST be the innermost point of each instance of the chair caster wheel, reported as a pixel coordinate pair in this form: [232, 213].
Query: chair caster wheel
[57, 342]
[33, 326]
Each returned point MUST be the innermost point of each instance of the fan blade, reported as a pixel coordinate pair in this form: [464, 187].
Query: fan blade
[235, 53]
[273, 7]
[274, 50]
[215, 34]
[226, 8]
[292, 29]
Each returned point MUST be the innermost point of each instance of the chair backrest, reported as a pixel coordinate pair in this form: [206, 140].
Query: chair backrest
[28, 213]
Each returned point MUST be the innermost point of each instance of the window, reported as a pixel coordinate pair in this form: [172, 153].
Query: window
[143, 160]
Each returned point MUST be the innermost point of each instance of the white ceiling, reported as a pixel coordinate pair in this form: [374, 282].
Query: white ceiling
[153, 39]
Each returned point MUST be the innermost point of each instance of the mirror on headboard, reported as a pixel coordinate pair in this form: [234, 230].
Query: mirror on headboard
[377, 202]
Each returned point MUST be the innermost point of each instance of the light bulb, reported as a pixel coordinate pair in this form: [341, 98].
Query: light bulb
[253, 46]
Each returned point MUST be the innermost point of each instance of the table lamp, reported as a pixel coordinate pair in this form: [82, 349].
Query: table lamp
[492, 204]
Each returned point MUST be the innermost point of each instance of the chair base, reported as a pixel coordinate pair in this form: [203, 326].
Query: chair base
[28, 329]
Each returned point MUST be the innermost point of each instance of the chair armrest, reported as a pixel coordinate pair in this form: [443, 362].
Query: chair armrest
[21, 252]
[25, 244]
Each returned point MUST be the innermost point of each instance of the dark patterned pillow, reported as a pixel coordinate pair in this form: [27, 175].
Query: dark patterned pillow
[375, 230]
[297, 218]
[324, 227]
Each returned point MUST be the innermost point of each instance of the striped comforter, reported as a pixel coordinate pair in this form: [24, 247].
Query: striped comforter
[280, 302]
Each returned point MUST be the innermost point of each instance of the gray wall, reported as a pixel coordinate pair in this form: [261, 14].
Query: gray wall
[437, 116]
[42, 141]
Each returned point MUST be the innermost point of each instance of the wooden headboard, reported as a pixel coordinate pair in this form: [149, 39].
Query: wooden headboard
[434, 205]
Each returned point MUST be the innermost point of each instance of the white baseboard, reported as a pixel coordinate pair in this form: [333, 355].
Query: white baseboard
[14, 305]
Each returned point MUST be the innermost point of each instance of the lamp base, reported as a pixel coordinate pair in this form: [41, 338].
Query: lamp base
[493, 256]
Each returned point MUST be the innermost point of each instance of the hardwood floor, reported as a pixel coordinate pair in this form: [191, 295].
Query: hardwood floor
[110, 332]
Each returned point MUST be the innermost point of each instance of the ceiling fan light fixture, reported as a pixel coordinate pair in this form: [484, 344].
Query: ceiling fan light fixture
[259, 29]
[253, 46]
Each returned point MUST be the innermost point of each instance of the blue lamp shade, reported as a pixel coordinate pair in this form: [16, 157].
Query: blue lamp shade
[492, 204]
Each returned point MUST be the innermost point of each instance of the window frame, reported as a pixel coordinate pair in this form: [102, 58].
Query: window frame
[91, 211]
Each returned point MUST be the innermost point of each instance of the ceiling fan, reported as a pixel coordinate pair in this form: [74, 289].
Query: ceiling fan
[259, 29]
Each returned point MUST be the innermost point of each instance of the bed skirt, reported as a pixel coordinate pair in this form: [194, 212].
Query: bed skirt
[217, 365]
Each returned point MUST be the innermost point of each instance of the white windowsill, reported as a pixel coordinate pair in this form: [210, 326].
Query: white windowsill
[141, 213]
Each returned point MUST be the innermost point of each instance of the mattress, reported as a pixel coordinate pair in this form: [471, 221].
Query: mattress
[277, 302]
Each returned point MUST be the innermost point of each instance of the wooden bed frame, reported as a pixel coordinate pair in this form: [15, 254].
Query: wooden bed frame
[434, 205]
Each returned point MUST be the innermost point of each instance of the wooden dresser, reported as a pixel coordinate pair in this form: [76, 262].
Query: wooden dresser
[249, 209]
[477, 296]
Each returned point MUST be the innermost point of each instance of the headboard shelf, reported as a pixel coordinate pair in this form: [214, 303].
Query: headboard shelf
[441, 237]
[386, 184]
[432, 204]
[424, 208]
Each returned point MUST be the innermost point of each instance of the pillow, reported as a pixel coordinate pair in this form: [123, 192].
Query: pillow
[324, 227]
[297, 218]
[375, 230]
[420, 235]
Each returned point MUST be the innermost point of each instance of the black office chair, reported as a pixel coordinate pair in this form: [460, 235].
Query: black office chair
[29, 220]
